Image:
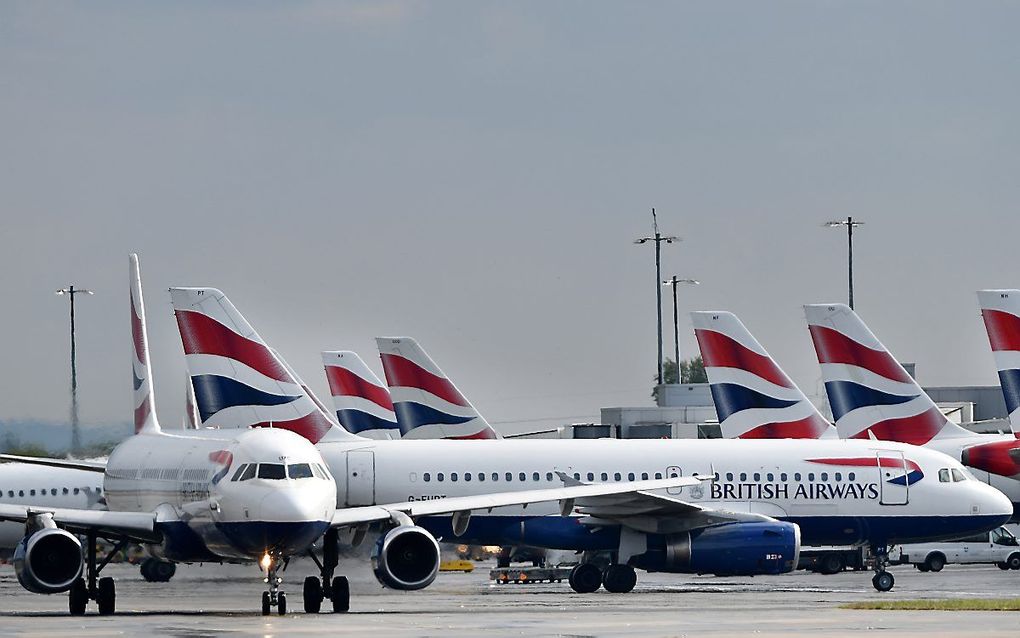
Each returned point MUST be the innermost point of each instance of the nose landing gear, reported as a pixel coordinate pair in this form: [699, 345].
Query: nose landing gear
[274, 597]
[878, 559]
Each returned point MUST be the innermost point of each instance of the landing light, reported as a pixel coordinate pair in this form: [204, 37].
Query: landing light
[266, 561]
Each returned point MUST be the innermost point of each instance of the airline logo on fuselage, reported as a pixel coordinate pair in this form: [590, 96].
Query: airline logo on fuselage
[896, 471]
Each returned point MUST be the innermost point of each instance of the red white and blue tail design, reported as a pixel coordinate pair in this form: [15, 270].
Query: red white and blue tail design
[870, 393]
[753, 396]
[1001, 311]
[239, 381]
[361, 400]
[427, 404]
[141, 369]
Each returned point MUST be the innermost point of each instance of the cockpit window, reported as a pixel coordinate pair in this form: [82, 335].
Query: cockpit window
[944, 476]
[272, 471]
[299, 471]
[240, 470]
[958, 476]
[249, 472]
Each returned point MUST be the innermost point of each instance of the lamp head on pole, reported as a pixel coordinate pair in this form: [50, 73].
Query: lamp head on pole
[675, 280]
[68, 291]
[839, 223]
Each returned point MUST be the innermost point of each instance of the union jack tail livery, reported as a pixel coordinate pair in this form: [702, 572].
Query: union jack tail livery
[870, 393]
[141, 369]
[427, 404]
[239, 381]
[753, 396]
[361, 400]
[1001, 311]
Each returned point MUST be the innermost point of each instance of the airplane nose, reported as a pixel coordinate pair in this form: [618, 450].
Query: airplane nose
[995, 503]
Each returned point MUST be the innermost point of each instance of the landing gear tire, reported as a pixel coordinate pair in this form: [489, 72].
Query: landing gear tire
[106, 596]
[883, 581]
[619, 579]
[312, 595]
[585, 578]
[1013, 562]
[341, 590]
[281, 604]
[155, 570]
[78, 598]
[832, 564]
[267, 605]
[935, 562]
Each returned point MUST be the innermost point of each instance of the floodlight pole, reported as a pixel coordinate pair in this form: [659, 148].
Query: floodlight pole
[850, 225]
[71, 291]
[674, 281]
[658, 239]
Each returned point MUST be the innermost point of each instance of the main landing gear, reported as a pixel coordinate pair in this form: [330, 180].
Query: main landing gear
[337, 589]
[274, 597]
[617, 579]
[878, 559]
[101, 590]
[155, 570]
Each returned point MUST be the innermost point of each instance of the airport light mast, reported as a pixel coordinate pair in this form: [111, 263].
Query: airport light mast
[658, 239]
[71, 291]
[850, 225]
[674, 281]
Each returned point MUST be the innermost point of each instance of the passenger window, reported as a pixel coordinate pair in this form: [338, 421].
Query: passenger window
[944, 476]
[548, 476]
[65, 492]
[605, 477]
[299, 471]
[796, 476]
[440, 477]
[509, 477]
[53, 492]
[249, 472]
[630, 476]
[76, 491]
[481, 476]
[839, 477]
[958, 476]
[522, 476]
[851, 476]
[658, 475]
[644, 476]
[757, 477]
[453, 477]
[426, 477]
[495, 476]
[825, 476]
[577, 476]
[271, 471]
[467, 476]
[534, 476]
[811, 477]
[770, 477]
[729, 476]
[617, 477]
[31, 493]
[743, 476]
[591, 476]
[782, 477]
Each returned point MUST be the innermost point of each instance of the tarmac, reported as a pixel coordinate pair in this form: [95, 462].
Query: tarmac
[215, 600]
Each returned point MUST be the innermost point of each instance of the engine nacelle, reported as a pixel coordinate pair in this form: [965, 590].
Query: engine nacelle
[734, 549]
[406, 558]
[48, 561]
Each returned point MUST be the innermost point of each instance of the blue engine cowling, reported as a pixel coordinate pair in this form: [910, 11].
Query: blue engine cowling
[734, 549]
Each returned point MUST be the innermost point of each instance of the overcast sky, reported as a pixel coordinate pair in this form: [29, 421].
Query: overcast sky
[473, 174]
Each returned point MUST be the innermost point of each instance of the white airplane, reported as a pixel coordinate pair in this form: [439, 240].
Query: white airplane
[753, 397]
[873, 397]
[249, 495]
[764, 497]
[1000, 310]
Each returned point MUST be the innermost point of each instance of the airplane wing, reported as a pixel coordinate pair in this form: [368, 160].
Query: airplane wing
[567, 496]
[68, 464]
[657, 513]
[139, 526]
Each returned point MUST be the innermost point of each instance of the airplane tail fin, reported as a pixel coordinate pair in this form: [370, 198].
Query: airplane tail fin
[239, 380]
[362, 402]
[1001, 311]
[427, 404]
[870, 393]
[145, 407]
[753, 396]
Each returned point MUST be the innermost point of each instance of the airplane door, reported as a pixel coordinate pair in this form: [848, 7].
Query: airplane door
[360, 477]
[672, 472]
[893, 478]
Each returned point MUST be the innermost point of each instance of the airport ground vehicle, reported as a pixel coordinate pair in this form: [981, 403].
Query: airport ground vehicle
[832, 560]
[997, 547]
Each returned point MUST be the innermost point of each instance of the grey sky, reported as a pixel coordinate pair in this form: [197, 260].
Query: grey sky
[472, 174]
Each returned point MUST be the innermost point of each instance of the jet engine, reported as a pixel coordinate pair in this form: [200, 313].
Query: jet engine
[48, 561]
[733, 549]
[406, 558]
